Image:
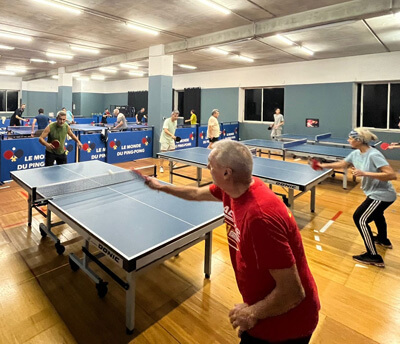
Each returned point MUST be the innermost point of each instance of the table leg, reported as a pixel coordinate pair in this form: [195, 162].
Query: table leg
[171, 170]
[345, 178]
[291, 199]
[29, 210]
[208, 255]
[312, 202]
[199, 175]
[130, 302]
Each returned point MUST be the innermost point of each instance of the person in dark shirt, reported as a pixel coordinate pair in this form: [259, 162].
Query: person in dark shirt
[42, 121]
[140, 115]
[17, 116]
[106, 114]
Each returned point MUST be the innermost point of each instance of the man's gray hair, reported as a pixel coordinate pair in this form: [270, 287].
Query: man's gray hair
[214, 111]
[233, 154]
[174, 112]
[61, 113]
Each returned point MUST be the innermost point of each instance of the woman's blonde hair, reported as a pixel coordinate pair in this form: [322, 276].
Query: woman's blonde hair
[365, 135]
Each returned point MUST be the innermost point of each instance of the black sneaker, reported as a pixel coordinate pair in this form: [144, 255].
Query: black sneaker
[369, 259]
[384, 243]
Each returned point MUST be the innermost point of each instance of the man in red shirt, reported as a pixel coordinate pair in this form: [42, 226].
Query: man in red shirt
[280, 299]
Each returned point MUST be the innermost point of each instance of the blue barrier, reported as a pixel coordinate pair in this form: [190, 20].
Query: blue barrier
[22, 154]
[230, 130]
[188, 137]
[129, 145]
[93, 148]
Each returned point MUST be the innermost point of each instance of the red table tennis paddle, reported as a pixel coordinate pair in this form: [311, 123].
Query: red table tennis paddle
[385, 145]
[56, 144]
[315, 165]
[178, 139]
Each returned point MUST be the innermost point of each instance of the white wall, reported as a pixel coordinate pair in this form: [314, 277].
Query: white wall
[364, 68]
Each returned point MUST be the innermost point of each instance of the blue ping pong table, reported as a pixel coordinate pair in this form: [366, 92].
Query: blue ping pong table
[17, 131]
[303, 149]
[290, 176]
[122, 218]
[323, 139]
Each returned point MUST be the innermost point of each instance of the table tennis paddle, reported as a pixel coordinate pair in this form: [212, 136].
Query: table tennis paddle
[269, 128]
[56, 144]
[178, 139]
[315, 165]
[385, 145]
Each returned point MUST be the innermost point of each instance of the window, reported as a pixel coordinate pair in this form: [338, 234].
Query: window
[260, 103]
[8, 100]
[378, 105]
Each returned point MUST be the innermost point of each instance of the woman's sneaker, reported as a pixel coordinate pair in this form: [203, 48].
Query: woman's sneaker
[384, 243]
[370, 259]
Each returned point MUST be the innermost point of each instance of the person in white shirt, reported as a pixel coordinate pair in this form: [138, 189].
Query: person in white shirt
[167, 138]
[277, 125]
[213, 131]
[121, 120]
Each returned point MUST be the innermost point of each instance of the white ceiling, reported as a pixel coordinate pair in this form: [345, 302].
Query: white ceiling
[330, 28]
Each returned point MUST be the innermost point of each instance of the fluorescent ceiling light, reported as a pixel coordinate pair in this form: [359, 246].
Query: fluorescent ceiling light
[138, 73]
[97, 77]
[16, 37]
[6, 72]
[284, 39]
[129, 66]
[215, 6]
[42, 61]
[108, 70]
[16, 69]
[143, 29]
[244, 58]
[218, 51]
[76, 74]
[85, 50]
[83, 78]
[307, 51]
[397, 15]
[187, 66]
[6, 47]
[54, 77]
[59, 55]
[60, 6]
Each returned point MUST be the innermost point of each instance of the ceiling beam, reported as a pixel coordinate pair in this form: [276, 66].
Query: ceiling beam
[351, 10]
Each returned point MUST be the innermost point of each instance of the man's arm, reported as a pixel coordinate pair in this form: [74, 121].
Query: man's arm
[169, 133]
[72, 135]
[33, 126]
[42, 137]
[335, 165]
[287, 294]
[190, 193]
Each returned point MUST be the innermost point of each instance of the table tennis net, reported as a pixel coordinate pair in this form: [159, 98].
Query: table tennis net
[88, 183]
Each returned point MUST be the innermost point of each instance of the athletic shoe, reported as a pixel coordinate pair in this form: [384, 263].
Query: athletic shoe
[370, 259]
[384, 243]
[161, 169]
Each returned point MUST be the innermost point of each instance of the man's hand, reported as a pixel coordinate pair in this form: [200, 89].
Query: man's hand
[79, 144]
[153, 183]
[50, 146]
[242, 317]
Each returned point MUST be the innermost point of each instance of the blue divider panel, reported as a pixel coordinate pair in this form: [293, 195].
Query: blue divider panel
[188, 136]
[129, 145]
[202, 135]
[81, 120]
[93, 148]
[230, 130]
[22, 154]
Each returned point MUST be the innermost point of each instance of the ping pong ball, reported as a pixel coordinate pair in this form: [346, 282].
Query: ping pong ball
[110, 172]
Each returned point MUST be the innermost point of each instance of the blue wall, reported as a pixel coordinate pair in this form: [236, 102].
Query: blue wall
[226, 100]
[332, 104]
[114, 99]
[36, 100]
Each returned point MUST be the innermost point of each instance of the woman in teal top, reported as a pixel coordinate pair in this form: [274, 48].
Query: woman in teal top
[376, 174]
[57, 131]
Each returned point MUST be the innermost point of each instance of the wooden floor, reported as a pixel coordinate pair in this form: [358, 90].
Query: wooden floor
[43, 301]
